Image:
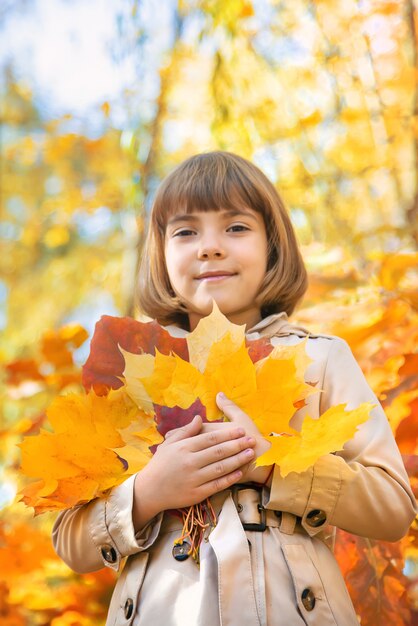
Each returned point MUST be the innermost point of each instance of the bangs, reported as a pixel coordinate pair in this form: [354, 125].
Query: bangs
[205, 185]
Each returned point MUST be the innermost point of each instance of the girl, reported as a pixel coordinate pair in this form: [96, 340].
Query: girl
[219, 232]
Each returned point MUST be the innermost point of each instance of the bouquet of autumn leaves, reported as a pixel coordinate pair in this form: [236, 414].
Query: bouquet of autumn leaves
[142, 382]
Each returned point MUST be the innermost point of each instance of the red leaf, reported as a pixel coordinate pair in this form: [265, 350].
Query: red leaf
[258, 348]
[168, 418]
[105, 362]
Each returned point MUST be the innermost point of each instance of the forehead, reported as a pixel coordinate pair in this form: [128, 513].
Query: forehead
[223, 214]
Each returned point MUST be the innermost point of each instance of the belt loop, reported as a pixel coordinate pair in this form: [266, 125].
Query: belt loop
[260, 525]
[288, 523]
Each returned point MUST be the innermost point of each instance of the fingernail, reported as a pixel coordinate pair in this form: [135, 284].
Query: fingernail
[249, 452]
[196, 416]
[221, 395]
[250, 440]
[240, 432]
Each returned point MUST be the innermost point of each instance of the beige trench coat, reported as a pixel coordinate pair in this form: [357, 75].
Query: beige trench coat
[284, 576]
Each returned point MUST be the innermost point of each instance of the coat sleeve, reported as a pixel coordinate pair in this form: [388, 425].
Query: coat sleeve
[101, 533]
[363, 489]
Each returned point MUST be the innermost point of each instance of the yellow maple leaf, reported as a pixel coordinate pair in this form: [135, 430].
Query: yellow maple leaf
[138, 437]
[77, 462]
[183, 387]
[176, 382]
[273, 404]
[317, 437]
[137, 366]
[157, 382]
[210, 330]
[297, 353]
[229, 370]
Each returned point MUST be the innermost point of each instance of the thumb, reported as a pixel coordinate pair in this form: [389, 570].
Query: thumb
[189, 430]
[227, 406]
[232, 411]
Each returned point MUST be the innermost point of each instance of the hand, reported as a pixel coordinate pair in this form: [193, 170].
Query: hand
[239, 418]
[190, 466]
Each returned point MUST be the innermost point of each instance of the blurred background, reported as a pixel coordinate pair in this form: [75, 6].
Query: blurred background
[99, 100]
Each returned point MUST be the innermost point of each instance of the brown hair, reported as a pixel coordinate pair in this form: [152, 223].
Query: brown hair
[212, 181]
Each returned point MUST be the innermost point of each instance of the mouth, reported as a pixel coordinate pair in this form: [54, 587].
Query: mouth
[214, 276]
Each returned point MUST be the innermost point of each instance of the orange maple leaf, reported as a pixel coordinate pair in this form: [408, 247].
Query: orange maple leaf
[83, 456]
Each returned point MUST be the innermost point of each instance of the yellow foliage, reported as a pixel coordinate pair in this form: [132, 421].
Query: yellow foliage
[278, 390]
[229, 370]
[318, 437]
[76, 462]
[268, 391]
[184, 385]
[209, 331]
[175, 382]
[135, 363]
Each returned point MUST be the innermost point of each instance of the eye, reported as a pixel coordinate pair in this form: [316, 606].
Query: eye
[237, 228]
[184, 232]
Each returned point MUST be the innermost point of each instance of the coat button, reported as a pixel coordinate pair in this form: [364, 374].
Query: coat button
[316, 518]
[181, 551]
[128, 609]
[108, 553]
[308, 599]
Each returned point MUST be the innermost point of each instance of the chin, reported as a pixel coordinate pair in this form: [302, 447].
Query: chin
[205, 308]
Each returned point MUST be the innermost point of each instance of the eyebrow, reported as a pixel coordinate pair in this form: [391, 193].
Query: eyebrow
[189, 217]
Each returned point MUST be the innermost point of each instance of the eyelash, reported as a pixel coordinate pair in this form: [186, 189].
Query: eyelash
[185, 232]
[240, 226]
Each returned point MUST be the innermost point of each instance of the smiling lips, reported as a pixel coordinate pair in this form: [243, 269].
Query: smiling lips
[213, 276]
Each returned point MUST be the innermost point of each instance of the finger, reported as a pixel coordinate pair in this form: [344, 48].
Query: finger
[226, 466]
[214, 425]
[219, 484]
[230, 409]
[189, 430]
[222, 451]
[215, 437]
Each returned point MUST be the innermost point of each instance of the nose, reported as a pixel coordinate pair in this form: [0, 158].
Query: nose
[211, 254]
[210, 248]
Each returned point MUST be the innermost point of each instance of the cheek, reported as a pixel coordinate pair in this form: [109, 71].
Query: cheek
[170, 264]
[174, 266]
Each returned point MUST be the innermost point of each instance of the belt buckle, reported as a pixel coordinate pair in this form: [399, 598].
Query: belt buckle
[261, 526]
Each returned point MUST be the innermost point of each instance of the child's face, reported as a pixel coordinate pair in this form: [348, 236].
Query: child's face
[221, 256]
